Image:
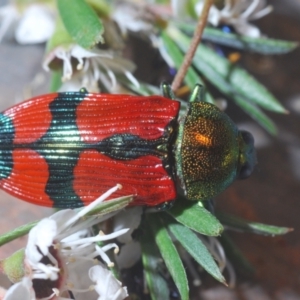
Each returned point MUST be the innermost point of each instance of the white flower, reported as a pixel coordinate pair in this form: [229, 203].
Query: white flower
[61, 250]
[92, 66]
[8, 15]
[130, 250]
[128, 218]
[129, 255]
[238, 13]
[132, 17]
[35, 26]
[21, 290]
[107, 286]
[36, 23]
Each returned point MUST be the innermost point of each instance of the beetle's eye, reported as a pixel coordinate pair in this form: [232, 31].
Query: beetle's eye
[247, 158]
[248, 138]
[245, 171]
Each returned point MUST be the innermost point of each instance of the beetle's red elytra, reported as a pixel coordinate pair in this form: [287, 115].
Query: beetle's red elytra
[66, 149]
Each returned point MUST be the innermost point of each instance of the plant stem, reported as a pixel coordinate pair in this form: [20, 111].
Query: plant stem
[193, 46]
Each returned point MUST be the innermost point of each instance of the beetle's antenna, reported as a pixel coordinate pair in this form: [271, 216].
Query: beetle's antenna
[197, 94]
[167, 91]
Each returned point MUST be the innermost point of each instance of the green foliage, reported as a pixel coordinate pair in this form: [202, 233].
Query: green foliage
[196, 217]
[169, 253]
[265, 46]
[81, 22]
[231, 80]
[253, 227]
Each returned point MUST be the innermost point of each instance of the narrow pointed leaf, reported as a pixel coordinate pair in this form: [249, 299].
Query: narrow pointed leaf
[258, 45]
[256, 113]
[258, 228]
[192, 78]
[81, 22]
[169, 253]
[196, 217]
[144, 89]
[111, 206]
[151, 259]
[194, 246]
[229, 78]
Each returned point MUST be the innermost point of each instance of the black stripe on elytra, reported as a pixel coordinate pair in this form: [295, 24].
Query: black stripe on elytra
[61, 147]
[129, 146]
[62, 144]
[7, 133]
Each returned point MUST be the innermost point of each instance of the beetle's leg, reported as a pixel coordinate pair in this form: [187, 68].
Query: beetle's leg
[167, 91]
[165, 206]
[83, 90]
[197, 94]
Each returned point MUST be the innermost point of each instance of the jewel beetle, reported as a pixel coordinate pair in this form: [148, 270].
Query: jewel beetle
[66, 149]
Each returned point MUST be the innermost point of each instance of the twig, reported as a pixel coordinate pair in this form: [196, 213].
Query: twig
[193, 46]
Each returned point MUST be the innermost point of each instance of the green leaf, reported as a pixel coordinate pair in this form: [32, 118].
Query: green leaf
[56, 81]
[256, 113]
[151, 260]
[258, 228]
[229, 78]
[192, 78]
[169, 253]
[13, 266]
[194, 246]
[60, 37]
[258, 45]
[144, 89]
[111, 206]
[196, 217]
[81, 22]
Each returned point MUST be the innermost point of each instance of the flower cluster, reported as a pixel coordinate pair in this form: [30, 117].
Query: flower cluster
[60, 259]
[238, 13]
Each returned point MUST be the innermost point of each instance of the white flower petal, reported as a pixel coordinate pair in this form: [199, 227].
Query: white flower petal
[8, 15]
[107, 286]
[41, 236]
[129, 218]
[36, 25]
[21, 290]
[238, 14]
[130, 253]
[247, 29]
[129, 17]
[61, 216]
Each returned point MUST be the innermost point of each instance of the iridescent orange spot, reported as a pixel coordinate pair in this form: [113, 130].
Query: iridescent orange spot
[203, 139]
